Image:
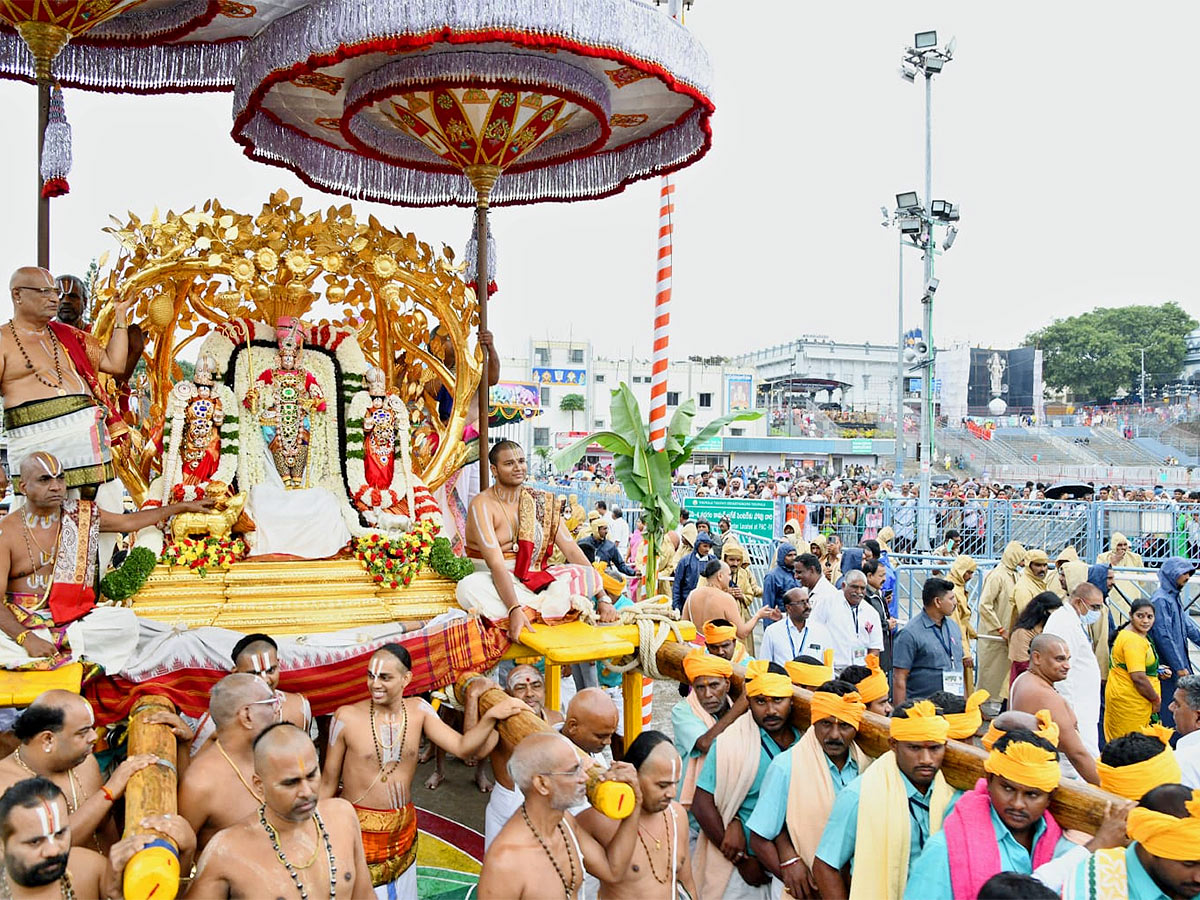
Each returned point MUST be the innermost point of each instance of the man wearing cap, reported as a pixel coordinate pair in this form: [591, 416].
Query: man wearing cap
[742, 583]
[872, 685]
[702, 716]
[1003, 825]
[1161, 863]
[687, 572]
[729, 784]
[605, 550]
[907, 801]
[781, 578]
[996, 614]
[794, 635]
[1032, 581]
[801, 784]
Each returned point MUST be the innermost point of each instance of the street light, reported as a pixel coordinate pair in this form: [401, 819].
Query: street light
[924, 57]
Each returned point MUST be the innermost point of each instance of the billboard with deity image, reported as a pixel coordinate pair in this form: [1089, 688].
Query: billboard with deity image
[739, 392]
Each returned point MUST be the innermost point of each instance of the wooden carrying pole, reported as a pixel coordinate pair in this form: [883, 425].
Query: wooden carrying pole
[153, 871]
[1074, 804]
[614, 799]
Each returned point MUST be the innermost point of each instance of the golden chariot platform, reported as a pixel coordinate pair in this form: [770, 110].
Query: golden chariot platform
[288, 598]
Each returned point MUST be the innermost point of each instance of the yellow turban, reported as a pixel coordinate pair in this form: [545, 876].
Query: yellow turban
[1131, 782]
[965, 724]
[809, 675]
[698, 664]
[1167, 836]
[923, 724]
[719, 634]
[769, 684]
[874, 686]
[1026, 765]
[847, 708]
[1046, 729]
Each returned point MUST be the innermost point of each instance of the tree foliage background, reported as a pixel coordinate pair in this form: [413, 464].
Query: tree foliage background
[1096, 354]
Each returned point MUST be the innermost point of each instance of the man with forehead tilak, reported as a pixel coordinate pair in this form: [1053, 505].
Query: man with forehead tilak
[258, 654]
[543, 852]
[38, 856]
[372, 759]
[293, 843]
[49, 550]
[661, 863]
[526, 684]
[57, 733]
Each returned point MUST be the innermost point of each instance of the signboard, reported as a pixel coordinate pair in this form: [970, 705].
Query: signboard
[862, 447]
[754, 517]
[549, 375]
[739, 392]
[711, 445]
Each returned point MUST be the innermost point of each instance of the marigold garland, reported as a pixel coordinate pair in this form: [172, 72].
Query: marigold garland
[202, 554]
[395, 562]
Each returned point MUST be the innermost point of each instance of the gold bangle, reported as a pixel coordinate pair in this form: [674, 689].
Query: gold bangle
[119, 325]
[20, 638]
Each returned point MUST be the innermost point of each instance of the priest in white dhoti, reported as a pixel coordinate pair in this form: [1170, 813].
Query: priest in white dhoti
[49, 551]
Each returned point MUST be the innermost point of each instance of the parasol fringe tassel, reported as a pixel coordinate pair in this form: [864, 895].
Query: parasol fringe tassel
[56, 148]
[471, 258]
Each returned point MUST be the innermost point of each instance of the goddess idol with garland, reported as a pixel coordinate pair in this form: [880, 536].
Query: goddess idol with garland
[383, 486]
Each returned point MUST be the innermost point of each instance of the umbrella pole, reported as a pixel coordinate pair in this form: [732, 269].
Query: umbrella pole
[483, 178]
[45, 42]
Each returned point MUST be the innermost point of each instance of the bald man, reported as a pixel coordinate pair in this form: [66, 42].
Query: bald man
[1034, 689]
[591, 722]
[543, 851]
[372, 760]
[57, 734]
[527, 685]
[49, 552]
[263, 855]
[217, 789]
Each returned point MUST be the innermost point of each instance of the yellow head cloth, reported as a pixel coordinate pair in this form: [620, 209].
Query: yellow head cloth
[1026, 765]
[847, 708]
[766, 684]
[1167, 836]
[874, 686]
[965, 724]
[809, 675]
[1036, 555]
[1046, 729]
[1131, 782]
[719, 634]
[698, 664]
[923, 724]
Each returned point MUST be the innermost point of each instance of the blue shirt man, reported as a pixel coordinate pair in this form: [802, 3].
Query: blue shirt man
[927, 653]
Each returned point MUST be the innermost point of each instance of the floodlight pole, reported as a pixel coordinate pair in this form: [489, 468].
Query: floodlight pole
[900, 361]
[926, 490]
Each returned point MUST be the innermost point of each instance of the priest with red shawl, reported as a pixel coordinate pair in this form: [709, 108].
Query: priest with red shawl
[511, 532]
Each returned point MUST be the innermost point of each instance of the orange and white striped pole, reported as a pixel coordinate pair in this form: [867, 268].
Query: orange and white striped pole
[662, 318]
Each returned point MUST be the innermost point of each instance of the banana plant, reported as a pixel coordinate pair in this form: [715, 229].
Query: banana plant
[644, 472]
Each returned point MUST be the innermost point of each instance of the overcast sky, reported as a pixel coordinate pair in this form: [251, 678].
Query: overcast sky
[1065, 131]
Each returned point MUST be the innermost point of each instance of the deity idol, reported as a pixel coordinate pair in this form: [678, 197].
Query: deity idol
[284, 398]
[203, 415]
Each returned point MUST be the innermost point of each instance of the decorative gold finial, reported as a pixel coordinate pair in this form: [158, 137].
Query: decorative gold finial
[483, 179]
[45, 41]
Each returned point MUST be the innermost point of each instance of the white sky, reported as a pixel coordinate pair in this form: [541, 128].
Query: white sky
[1065, 131]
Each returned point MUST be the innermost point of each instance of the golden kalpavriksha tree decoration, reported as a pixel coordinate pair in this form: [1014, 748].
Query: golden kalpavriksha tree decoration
[215, 269]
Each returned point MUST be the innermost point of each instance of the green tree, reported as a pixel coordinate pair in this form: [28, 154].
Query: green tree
[572, 403]
[644, 472]
[1096, 354]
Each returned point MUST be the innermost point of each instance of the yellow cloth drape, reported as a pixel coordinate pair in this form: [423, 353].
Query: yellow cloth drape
[1125, 709]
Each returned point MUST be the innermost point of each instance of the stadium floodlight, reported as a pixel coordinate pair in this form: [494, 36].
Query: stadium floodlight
[925, 40]
[940, 209]
[951, 234]
[934, 62]
[910, 225]
[953, 217]
[908, 74]
[908, 200]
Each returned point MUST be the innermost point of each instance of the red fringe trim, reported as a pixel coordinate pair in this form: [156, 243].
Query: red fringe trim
[55, 187]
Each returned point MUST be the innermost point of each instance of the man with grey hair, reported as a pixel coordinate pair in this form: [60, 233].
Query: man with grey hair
[216, 789]
[1186, 707]
[543, 849]
[853, 626]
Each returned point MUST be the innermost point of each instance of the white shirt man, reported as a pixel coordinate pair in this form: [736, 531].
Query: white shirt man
[1186, 707]
[853, 625]
[1081, 687]
[618, 532]
[795, 634]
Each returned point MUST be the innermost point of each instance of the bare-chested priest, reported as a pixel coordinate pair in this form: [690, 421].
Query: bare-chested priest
[218, 789]
[263, 855]
[49, 551]
[512, 531]
[542, 851]
[57, 734]
[372, 759]
[1033, 690]
[258, 654]
[528, 685]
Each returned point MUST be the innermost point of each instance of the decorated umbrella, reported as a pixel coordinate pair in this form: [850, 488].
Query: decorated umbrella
[136, 46]
[513, 401]
[474, 103]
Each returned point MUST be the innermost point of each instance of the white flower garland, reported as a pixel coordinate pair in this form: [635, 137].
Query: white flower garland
[176, 425]
[356, 450]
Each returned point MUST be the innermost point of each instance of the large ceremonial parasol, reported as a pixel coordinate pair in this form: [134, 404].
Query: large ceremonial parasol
[474, 103]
